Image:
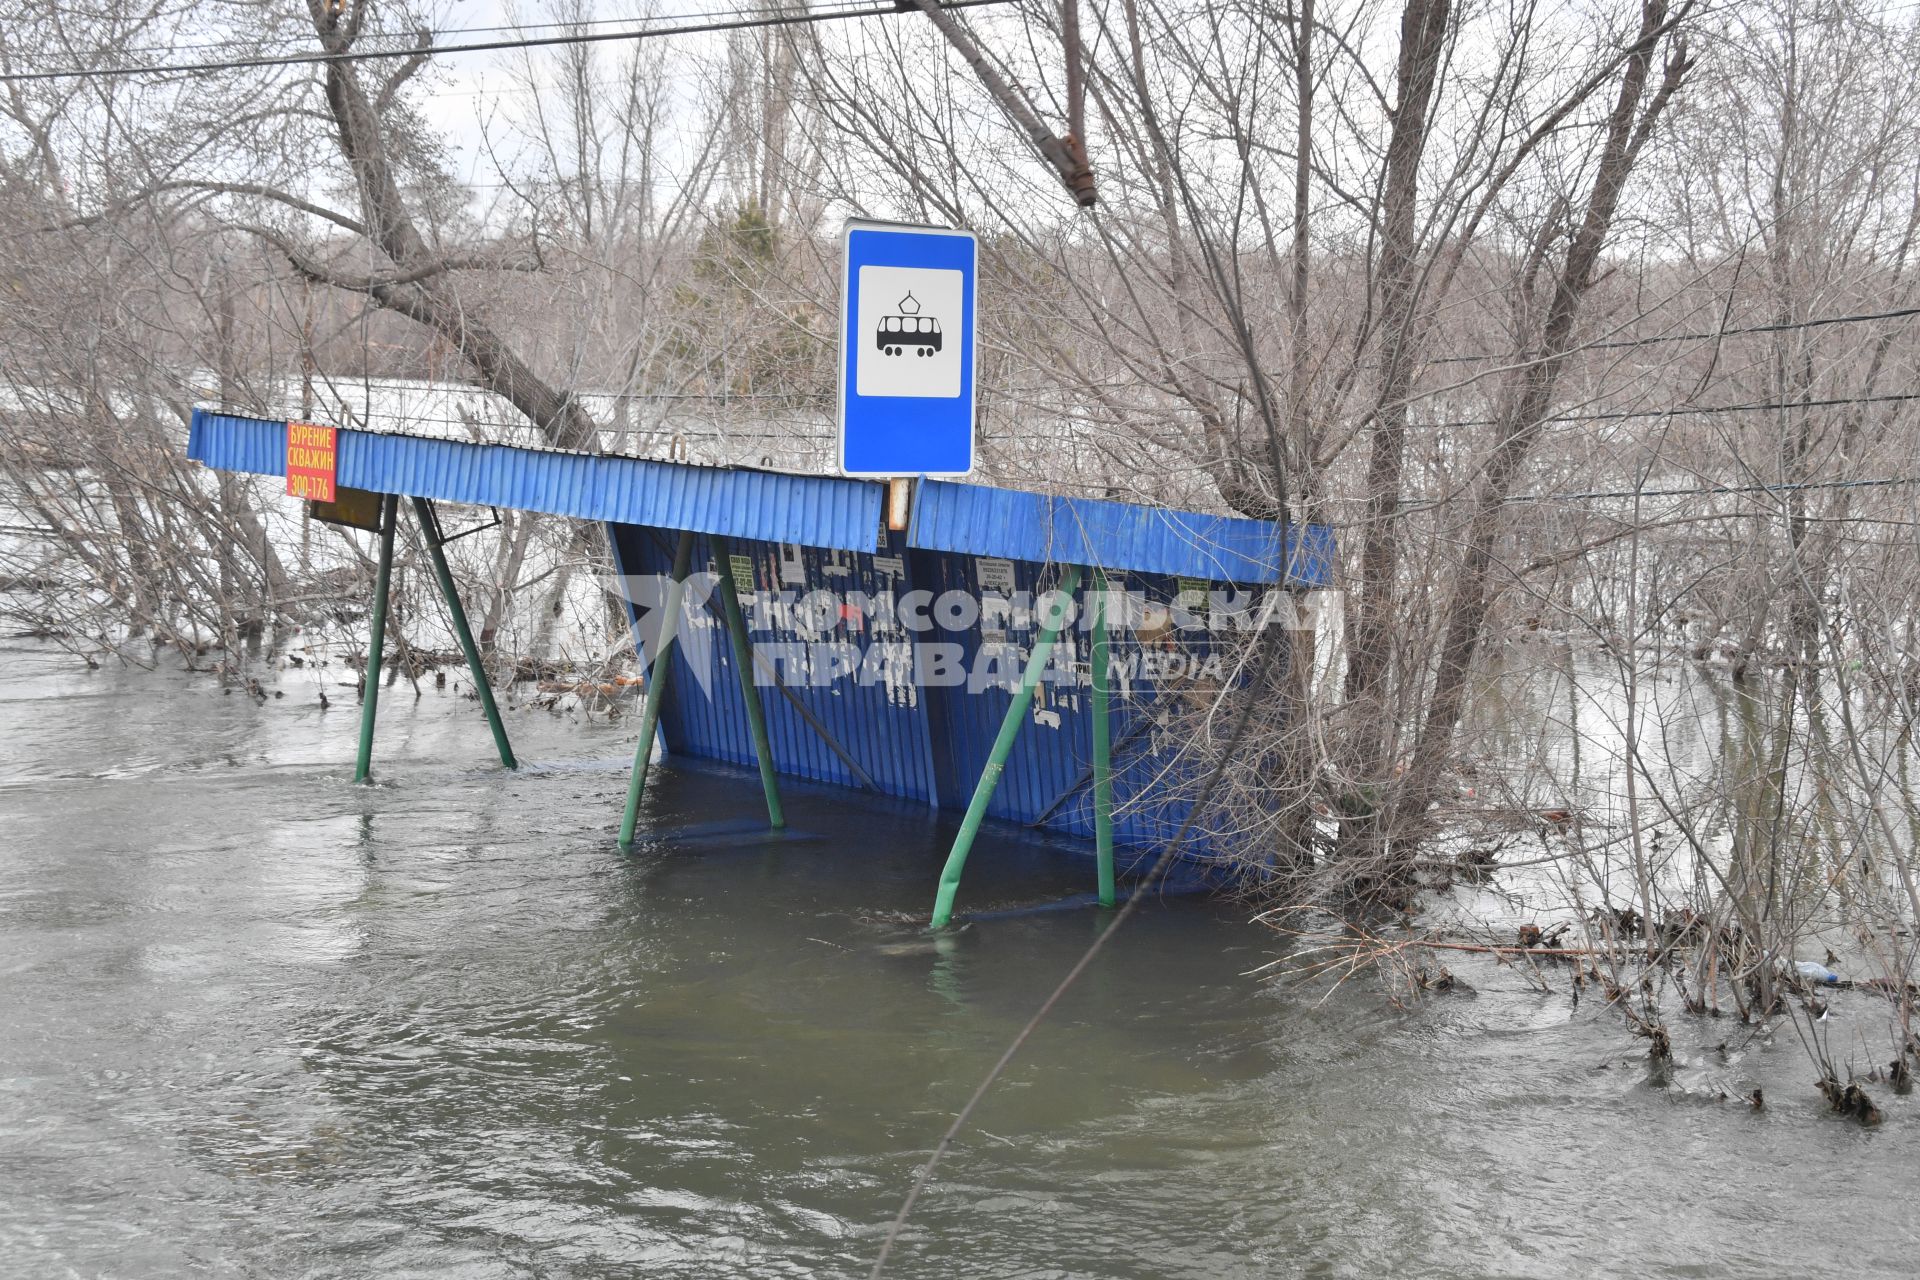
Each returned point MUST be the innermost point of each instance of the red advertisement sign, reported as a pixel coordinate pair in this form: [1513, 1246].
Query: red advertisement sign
[311, 461]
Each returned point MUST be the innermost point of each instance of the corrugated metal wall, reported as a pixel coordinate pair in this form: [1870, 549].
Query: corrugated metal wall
[1048, 775]
[923, 739]
[878, 716]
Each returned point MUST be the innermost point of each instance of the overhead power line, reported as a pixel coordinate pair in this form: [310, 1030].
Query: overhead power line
[1616, 344]
[1680, 411]
[482, 46]
[1701, 491]
[257, 46]
[1714, 490]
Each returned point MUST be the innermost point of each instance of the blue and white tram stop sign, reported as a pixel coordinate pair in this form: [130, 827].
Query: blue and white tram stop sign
[906, 350]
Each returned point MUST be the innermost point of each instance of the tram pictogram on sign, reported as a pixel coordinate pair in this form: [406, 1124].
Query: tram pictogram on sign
[909, 332]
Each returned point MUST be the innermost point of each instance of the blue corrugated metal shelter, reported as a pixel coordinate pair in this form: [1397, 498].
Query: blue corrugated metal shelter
[820, 510]
[860, 694]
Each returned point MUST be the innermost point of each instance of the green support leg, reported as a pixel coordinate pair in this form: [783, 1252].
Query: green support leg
[749, 692]
[370, 700]
[1102, 745]
[997, 760]
[656, 685]
[430, 530]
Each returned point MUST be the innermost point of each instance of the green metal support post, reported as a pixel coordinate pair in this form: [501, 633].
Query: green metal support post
[430, 530]
[370, 700]
[657, 685]
[997, 759]
[1102, 745]
[749, 692]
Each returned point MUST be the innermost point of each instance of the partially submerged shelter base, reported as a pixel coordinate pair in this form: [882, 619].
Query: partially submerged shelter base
[656, 689]
[370, 674]
[436, 541]
[1003, 747]
[1001, 710]
[437, 548]
[742, 647]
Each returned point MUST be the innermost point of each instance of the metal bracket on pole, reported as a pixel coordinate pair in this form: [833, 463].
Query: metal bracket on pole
[1102, 745]
[997, 760]
[657, 684]
[749, 692]
[447, 541]
[370, 699]
[436, 547]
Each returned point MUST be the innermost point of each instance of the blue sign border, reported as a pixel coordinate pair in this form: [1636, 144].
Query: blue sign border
[882, 436]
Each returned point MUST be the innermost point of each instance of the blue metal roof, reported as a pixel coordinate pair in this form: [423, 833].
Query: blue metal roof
[977, 520]
[817, 511]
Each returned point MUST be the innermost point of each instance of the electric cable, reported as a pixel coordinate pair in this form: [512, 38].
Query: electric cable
[1681, 411]
[1615, 344]
[802, 18]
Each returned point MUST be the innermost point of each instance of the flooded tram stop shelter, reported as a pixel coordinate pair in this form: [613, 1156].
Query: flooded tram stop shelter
[991, 651]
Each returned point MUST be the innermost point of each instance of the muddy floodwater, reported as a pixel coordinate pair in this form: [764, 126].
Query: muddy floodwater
[256, 1021]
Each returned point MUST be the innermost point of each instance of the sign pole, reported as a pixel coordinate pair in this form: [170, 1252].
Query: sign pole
[370, 699]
